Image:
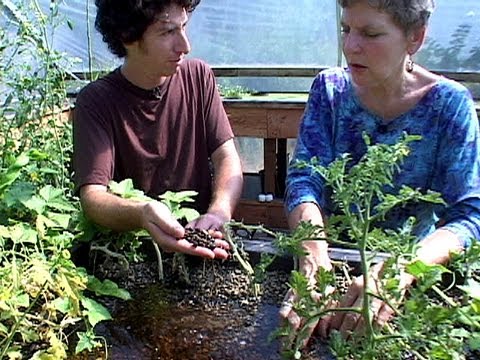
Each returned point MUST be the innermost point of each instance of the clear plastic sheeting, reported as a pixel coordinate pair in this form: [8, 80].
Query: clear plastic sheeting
[276, 33]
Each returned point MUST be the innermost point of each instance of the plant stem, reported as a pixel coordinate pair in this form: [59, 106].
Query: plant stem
[7, 341]
[89, 42]
[244, 263]
[235, 253]
[365, 264]
[110, 253]
[251, 228]
[161, 275]
[444, 297]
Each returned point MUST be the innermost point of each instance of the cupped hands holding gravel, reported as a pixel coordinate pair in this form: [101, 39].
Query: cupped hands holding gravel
[207, 239]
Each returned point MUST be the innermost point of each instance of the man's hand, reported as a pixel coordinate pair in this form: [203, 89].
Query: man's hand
[209, 221]
[169, 234]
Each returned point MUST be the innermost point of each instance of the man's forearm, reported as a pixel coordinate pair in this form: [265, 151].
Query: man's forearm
[228, 181]
[111, 211]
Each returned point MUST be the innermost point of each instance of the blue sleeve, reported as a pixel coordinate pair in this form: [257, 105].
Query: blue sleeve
[457, 175]
[314, 139]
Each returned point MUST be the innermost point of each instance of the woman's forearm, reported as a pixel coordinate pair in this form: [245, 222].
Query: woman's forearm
[317, 249]
[438, 247]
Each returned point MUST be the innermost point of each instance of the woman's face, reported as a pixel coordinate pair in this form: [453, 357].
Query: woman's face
[375, 48]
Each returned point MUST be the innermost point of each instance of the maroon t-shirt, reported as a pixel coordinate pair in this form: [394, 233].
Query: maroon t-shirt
[122, 131]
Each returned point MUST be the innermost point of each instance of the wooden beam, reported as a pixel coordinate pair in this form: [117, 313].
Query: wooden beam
[349, 255]
[248, 121]
[283, 123]
[269, 214]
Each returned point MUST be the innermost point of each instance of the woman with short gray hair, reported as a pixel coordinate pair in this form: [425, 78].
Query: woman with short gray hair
[384, 94]
[407, 14]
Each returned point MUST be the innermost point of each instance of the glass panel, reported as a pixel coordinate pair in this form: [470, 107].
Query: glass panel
[75, 41]
[278, 33]
[221, 32]
[251, 153]
[453, 38]
[251, 156]
[265, 32]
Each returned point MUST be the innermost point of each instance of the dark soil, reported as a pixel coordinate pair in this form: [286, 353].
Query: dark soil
[202, 310]
[199, 237]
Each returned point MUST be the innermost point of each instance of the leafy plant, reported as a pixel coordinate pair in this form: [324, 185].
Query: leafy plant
[175, 201]
[430, 324]
[233, 92]
[43, 294]
[41, 289]
[125, 247]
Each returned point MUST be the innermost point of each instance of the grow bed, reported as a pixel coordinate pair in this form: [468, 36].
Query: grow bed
[202, 310]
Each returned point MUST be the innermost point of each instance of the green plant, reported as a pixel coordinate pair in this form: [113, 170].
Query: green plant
[233, 92]
[125, 247]
[33, 94]
[430, 324]
[42, 292]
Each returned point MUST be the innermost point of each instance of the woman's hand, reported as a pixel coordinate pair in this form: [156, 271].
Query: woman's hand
[352, 322]
[309, 266]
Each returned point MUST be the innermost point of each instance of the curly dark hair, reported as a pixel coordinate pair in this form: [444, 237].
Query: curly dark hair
[124, 21]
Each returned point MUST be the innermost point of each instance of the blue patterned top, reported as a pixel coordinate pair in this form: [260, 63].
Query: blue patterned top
[445, 160]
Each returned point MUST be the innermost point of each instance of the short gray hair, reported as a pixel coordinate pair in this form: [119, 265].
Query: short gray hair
[408, 14]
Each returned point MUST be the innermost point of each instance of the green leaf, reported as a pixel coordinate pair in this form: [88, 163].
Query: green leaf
[62, 205]
[460, 333]
[95, 311]
[474, 341]
[121, 188]
[179, 196]
[13, 171]
[299, 283]
[476, 306]
[19, 193]
[64, 305]
[472, 289]
[19, 233]
[37, 155]
[22, 300]
[49, 193]
[59, 220]
[125, 189]
[187, 214]
[3, 329]
[419, 268]
[107, 288]
[86, 342]
[36, 204]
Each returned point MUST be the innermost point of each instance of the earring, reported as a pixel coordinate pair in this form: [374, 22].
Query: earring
[410, 65]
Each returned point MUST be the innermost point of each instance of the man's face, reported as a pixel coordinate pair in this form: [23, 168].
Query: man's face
[163, 45]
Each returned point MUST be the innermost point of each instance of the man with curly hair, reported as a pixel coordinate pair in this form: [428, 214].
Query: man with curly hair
[159, 120]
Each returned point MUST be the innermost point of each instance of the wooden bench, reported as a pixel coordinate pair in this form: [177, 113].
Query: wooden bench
[273, 120]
